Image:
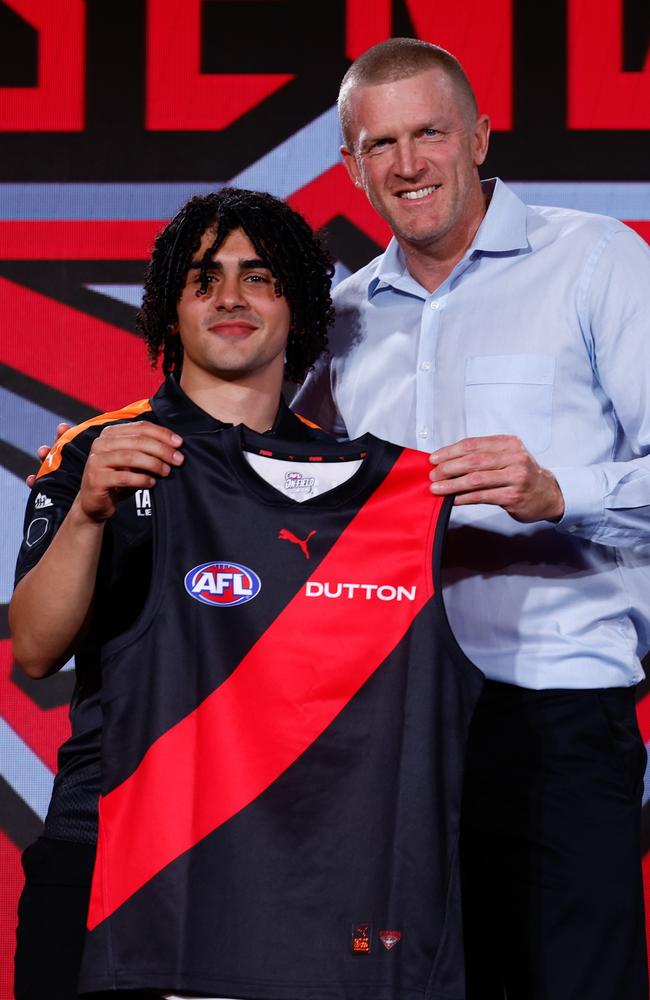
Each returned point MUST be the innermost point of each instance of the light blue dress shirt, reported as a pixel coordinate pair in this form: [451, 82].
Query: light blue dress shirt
[542, 330]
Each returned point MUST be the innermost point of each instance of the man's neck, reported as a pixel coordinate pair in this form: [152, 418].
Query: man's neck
[429, 268]
[431, 264]
[234, 402]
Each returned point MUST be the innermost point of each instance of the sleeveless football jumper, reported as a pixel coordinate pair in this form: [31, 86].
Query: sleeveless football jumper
[284, 739]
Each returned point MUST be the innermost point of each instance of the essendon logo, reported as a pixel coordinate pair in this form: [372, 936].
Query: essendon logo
[224, 584]
[390, 938]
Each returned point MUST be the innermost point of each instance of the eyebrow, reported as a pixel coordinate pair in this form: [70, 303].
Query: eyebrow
[216, 265]
[370, 140]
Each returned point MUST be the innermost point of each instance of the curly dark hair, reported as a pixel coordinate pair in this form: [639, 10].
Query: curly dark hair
[296, 256]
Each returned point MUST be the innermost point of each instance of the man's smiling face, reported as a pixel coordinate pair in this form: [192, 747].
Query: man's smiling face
[417, 146]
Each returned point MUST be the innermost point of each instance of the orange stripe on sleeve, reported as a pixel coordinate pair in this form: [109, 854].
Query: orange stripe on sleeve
[54, 457]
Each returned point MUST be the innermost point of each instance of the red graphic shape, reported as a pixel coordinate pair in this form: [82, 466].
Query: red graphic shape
[640, 226]
[11, 879]
[600, 94]
[463, 28]
[367, 22]
[244, 735]
[72, 351]
[78, 240]
[643, 717]
[179, 96]
[332, 194]
[57, 103]
[288, 536]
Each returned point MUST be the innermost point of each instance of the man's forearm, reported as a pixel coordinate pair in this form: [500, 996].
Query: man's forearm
[52, 603]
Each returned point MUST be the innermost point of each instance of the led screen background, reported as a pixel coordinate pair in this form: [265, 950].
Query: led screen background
[112, 114]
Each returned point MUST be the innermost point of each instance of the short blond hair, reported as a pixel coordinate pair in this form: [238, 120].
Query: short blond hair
[398, 59]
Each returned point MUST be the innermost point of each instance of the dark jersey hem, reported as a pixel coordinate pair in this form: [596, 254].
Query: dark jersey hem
[245, 990]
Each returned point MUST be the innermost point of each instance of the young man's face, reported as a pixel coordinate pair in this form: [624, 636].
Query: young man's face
[415, 150]
[239, 328]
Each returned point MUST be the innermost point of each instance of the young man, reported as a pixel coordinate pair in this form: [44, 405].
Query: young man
[512, 342]
[236, 298]
[282, 706]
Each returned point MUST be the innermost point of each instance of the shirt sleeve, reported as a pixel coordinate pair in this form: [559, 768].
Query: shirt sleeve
[315, 400]
[49, 502]
[609, 503]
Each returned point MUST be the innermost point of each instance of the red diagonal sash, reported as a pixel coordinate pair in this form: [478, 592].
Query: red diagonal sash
[279, 699]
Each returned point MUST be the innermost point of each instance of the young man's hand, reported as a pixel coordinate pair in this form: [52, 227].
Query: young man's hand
[125, 458]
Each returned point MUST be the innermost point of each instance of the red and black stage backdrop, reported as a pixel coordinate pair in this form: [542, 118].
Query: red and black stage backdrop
[112, 114]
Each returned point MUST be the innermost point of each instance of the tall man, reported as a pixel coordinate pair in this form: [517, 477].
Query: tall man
[512, 341]
[236, 298]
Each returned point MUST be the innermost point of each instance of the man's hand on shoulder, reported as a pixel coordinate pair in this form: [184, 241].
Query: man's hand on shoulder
[497, 469]
[122, 459]
[45, 449]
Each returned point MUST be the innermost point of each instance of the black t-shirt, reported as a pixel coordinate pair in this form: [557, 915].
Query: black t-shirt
[122, 580]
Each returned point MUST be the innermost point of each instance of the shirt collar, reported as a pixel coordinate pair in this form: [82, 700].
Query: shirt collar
[176, 410]
[503, 230]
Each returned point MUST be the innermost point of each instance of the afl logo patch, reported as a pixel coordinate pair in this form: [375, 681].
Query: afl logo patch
[223, 584]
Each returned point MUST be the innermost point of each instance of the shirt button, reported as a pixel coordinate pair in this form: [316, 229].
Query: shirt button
[572, 528]
[423, 433]
[435, 304]
[425, 366]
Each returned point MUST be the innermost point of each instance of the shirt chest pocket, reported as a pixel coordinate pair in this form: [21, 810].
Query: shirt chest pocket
[511, 394]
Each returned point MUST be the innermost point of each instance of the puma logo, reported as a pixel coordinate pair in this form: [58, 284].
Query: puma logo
[288, 536]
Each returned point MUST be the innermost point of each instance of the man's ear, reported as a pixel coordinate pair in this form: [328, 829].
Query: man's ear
[352, 167]
[481, 139]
